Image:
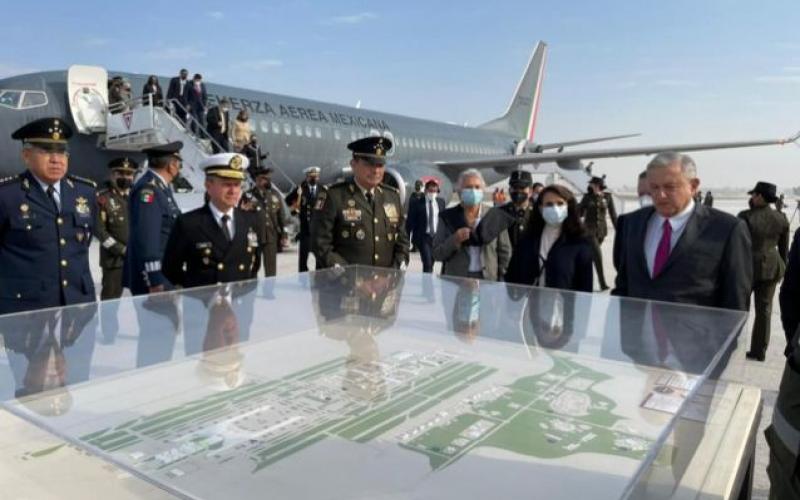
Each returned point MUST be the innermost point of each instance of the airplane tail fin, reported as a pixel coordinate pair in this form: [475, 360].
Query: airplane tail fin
[520, 117]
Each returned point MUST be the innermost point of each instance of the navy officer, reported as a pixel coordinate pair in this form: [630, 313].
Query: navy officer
[153, 212]
[46, 222]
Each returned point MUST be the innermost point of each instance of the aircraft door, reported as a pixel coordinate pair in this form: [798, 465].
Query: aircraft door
[87, 89]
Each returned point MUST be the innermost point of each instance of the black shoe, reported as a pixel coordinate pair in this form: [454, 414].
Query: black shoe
[754, 356]
[603, 288]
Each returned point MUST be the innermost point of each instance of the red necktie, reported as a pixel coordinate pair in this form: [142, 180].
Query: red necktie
[662, 252]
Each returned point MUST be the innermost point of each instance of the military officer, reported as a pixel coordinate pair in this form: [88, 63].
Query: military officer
[769, 233]
[153, 211]
[302, 201]
[520, 208]
[218, 242]
[46, 222]
[360, 220]
[594, 207]
[112, 225]
[265, 199]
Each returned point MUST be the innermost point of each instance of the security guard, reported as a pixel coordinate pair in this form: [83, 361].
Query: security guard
[302, 200]
[153, 211]
[218, 242]
[265, 199]
[112, 225]
[360, 220]
[594, 207]
[46, 221]
[520, 208]
[769, 233]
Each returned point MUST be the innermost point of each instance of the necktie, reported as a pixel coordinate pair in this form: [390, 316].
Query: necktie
[368, 195]
[51, 193]
[430, 217]
[225, 228]
[664, 246]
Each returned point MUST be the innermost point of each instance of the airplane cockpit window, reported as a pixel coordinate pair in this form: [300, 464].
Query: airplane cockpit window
[10, 98]
[33, 99]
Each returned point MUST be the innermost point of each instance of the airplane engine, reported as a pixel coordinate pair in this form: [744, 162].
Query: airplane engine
[402, 178]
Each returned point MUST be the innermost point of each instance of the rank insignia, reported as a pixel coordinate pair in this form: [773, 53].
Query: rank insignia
[252, 238]
[24, 208]
[360, 234]
[82, 205]
[391, 211]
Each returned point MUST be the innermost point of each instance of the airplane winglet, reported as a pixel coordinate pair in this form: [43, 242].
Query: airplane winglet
[793, 138]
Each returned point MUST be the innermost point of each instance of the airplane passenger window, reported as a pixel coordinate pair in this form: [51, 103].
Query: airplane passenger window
[276, 128]
[318, 132]
[416, 142]
[287, 129]
[264, 126]
[352, 135]
[34, 100]
[337, 134]
[10, 98]
[298, 129]
[308, 131]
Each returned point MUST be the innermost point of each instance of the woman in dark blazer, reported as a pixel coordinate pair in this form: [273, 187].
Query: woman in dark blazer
[153, 87]
[554, 251]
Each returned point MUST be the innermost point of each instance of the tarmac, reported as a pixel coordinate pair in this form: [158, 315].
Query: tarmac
[765, 375]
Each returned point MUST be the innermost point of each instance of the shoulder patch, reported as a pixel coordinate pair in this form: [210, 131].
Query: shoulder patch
[147, 196]
[82, 180]
[322, 197]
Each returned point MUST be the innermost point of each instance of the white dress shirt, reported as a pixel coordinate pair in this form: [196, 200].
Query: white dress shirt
[655, 230]
[218, 217]
[431, 206]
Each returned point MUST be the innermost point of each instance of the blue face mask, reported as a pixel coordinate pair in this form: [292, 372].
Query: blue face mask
[554, 215]
[471, 197]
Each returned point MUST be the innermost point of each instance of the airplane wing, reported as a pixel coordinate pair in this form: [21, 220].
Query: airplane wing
[538, 148]
[570, 157]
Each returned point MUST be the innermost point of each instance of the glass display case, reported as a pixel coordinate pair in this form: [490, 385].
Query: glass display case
[371, 383]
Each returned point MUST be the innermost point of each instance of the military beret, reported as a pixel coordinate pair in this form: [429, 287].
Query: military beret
[520, 178]
[44, 131]
[227, 165]
[170, 149]
[371, 148]
[123, 163]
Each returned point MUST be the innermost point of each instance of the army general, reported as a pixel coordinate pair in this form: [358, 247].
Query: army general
[360, 220]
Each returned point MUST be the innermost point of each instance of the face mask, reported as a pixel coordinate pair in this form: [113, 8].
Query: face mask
[430, 196]
[471, 197]
[123, 183]
[312, 181]
[554, 215]
[645, 200]
[751, 203]
[518, 196]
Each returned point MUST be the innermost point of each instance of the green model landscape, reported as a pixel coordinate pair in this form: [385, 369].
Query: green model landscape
[550, 415]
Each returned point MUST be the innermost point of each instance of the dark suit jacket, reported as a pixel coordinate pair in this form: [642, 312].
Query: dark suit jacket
[213, 119]
[174, 90]
[158, 95]
[197, 101]
[568, 266]
[790, 290]
[711, 265]
[417, 220]
[197, 241]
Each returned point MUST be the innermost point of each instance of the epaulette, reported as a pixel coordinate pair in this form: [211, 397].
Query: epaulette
[389, 188]
[10, 179]
[82, 180]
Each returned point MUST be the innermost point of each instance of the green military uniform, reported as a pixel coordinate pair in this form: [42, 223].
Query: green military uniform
[349, 229]
[353, 225]
[769, 233]
[112, 231]
[594, 208]
[523, 217]
[270, 208]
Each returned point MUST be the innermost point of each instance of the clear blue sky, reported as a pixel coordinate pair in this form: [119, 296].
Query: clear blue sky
[679, 71]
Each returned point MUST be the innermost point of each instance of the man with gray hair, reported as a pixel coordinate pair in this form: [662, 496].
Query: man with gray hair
[679, 250]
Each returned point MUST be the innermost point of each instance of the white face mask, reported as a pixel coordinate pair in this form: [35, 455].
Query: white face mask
[554, 215]
[430, 196]
[645, 200]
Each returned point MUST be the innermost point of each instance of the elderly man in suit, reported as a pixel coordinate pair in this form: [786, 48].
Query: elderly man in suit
[679, 250]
